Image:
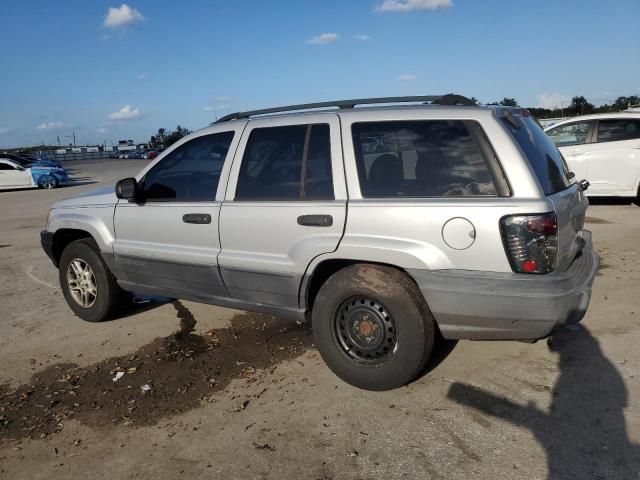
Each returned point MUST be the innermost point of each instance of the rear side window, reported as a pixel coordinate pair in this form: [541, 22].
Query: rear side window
[618, 129]
[287, 163]
[191, 172]
[570, 134]
[543, 156]
[424, 158]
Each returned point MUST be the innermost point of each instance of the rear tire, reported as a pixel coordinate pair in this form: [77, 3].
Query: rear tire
[88, 286]
[372, 327]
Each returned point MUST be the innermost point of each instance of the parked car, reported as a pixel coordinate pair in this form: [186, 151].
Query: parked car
[603, 148]
[385, 226]
[16, 172]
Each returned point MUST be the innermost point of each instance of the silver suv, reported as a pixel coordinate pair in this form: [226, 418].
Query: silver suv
[386, 226]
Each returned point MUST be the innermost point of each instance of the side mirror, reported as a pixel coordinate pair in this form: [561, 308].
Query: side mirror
[127, 189]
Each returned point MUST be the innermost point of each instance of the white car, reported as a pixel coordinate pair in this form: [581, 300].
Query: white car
[603, 149]
[22, 174]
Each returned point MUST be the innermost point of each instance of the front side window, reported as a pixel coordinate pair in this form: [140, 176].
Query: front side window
[191, 172]
[618, 129]
[287, 163]
[570, 134]
[426, 158]
[6, 166]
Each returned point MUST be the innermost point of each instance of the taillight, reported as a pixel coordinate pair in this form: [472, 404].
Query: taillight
[531, 242]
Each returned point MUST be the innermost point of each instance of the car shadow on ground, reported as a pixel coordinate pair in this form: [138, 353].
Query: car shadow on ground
[614, 201]
[583, 432]
[78, 183]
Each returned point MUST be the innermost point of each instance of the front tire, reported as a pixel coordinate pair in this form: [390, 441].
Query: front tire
[48, 182]
[372, 327]
[87, 284]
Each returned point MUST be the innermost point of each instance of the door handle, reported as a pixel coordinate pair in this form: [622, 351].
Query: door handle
[315, 220]
[202, 218]
[576, 153]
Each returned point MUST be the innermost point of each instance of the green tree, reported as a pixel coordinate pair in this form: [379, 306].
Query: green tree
[508, 102]
[580, 106]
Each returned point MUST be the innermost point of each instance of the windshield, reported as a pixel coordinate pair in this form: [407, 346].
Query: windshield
[20, 161]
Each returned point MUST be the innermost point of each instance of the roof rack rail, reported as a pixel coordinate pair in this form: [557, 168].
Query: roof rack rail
[449, 99]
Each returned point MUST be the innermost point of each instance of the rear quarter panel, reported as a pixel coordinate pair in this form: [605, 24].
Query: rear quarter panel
[408, 232]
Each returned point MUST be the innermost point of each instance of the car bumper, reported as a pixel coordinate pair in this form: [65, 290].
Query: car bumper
[46, 240]
[508, 306]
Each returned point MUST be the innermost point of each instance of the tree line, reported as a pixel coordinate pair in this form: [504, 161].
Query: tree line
[579, 105]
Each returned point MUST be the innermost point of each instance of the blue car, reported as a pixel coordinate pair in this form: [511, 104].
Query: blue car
[19, 173]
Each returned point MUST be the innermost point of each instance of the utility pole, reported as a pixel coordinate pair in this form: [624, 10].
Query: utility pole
[58, 141]
[74, 138]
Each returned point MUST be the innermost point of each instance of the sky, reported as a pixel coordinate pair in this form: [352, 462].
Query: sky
[108, 71]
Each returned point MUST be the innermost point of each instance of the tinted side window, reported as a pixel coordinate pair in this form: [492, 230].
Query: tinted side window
[570, 134]
[191, 172]
[543, 156]
[426, 158]
[618, 129]
[287, 163]
[6, 166]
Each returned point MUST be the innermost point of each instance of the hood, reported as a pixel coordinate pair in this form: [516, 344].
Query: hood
[100, 197]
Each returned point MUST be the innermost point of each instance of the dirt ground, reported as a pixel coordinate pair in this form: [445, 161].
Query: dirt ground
[208, 392]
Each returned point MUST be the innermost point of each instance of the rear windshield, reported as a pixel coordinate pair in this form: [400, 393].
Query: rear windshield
[543, 155]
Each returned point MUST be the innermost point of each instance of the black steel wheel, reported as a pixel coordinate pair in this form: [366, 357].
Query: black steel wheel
[365, 330]
[372, 326]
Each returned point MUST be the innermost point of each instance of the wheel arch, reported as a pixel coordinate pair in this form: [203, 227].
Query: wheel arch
[313, 281]
[63, 237]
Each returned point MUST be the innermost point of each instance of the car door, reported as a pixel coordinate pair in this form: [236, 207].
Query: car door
[572, 139]
[613, 166]
[167, 242]
[12, 175]
[285, 204]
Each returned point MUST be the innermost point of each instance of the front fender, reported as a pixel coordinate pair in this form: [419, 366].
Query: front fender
[98, 222]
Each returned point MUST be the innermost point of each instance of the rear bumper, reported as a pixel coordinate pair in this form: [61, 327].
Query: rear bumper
[46, 240]
[508, 306]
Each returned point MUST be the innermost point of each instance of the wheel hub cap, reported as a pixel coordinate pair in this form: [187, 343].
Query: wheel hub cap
[364, 329]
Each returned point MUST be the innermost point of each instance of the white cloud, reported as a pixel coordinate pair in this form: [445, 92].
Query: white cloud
[50, 125]
[411, 5]
[224, 104]
[118, 16]
[407, 77]
[101, 130]
[125, 113]
[551, 100]
[142, 76]
[4, 130]
[323, 38]
[362, 38]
